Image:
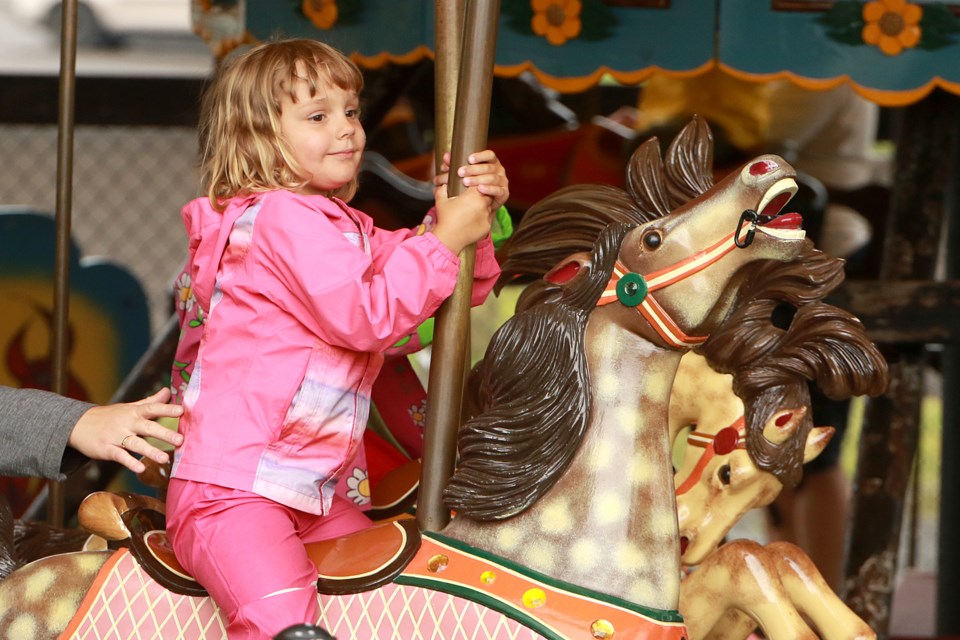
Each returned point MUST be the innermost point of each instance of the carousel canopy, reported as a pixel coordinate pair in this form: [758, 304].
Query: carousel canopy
[893, 52]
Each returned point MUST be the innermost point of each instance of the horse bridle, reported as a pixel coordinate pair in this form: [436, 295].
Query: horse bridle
[635, 290]
[725, 441]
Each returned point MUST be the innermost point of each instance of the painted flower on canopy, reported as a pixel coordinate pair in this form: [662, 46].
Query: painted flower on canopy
[322, 13]
[892, 25]
[358, 486]
[556, 20]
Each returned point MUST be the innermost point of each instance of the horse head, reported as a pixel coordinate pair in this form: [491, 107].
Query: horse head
[679, 267]
[690, 257]
[717, 481]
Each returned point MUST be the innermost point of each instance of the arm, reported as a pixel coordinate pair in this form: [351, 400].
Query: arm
[35, 426]
[461, 221]
[308, 261]
[486, 269]
[48, 435]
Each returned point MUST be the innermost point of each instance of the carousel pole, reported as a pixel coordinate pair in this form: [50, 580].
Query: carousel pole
[61, 286]
[473, 85]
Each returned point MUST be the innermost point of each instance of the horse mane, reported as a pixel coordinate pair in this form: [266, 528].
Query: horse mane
[570, 220]
[822, 344]
[532, 393]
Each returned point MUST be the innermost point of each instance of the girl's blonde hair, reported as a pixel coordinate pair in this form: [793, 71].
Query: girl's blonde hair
[241, 146]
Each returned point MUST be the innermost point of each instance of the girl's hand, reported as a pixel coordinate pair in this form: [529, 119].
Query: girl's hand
[116, 431]
[462, 220]
[484, 172]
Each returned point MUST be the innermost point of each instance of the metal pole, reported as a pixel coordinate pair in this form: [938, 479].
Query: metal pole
[451, 331]
[448, 38]
[61, 287]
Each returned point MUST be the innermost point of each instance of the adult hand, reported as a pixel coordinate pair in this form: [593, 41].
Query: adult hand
[115, 432]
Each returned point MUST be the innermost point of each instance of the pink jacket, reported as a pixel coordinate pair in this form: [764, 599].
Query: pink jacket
[301, 295]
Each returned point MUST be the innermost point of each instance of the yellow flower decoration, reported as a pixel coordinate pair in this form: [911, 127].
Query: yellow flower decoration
[556, 20]
[358, 486]
[892, 25]
[322, 13]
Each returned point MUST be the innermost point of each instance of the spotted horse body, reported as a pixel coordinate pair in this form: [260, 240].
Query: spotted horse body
[564, 497]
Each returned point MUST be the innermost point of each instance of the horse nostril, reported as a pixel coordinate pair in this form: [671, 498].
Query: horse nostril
[763, 167]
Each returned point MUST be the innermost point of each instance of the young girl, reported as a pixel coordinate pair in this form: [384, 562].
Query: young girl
[300, 295]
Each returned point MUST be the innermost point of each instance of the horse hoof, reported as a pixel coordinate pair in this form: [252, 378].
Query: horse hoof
[304, 632]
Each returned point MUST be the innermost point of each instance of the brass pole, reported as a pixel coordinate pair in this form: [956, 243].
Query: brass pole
[448, 36]
[61, 286]
[451, 331]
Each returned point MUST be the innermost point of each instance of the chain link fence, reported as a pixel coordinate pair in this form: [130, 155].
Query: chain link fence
[129, 184]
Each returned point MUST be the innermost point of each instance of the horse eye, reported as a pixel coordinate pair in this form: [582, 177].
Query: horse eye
[724, 474]
[653, 240]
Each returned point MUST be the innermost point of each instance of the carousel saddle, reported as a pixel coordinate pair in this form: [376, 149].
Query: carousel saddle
[358, 562]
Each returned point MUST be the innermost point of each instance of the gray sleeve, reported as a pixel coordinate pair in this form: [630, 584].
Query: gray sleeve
[34, 428]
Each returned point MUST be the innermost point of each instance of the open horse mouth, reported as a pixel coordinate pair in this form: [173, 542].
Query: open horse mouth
[785, 226]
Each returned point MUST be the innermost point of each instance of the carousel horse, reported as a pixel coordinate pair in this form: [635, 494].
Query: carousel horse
[572, 429]
[742, 585]
[774, 587]
[770, 369]
[714, 489]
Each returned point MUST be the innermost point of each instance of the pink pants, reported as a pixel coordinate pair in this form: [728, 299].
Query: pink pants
[248, 552]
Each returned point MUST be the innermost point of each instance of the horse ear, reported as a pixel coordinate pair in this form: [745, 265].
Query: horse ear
[567, 269]
[783, 424]
[817, 441]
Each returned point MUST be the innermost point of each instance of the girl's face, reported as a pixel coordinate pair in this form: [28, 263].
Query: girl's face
[324, 134]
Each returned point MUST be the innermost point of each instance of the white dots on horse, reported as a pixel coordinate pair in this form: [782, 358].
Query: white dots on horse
[664, 523]
[639, 470]
[628, 554]
[585, 554]
[508, 537]
[641, 592]
[555, 518]
[606, 343]
[656, 387]
[37, 587]
[607, 509]
[601, 454]
[62, 610]
[628, 418]
[607, 387]
[23, 626]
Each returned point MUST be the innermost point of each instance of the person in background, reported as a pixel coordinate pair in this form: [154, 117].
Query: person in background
[830, 135]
